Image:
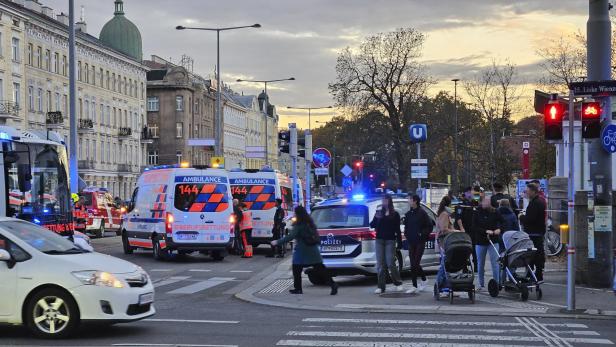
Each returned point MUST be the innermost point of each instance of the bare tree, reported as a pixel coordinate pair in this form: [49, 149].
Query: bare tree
[564, 61]
[383, 74]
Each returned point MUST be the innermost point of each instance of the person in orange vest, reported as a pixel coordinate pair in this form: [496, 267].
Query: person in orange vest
[80, 213]
[246, 231]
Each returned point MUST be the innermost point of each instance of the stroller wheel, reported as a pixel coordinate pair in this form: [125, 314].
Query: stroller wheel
[471, 296]
[436, 292]
[493, 288]
[524, 292]
[538, 293]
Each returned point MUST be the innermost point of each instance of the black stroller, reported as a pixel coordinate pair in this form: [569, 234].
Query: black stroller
[519, 252]
[460, 277]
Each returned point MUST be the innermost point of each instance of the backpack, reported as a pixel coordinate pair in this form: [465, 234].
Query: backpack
[311, 236]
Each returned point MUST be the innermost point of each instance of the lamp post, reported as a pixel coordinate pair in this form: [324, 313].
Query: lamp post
[265, 111]
[309, 111]
[455, 136]
[218, 141]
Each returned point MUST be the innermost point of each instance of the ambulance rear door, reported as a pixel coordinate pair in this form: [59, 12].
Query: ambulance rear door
[258, 191]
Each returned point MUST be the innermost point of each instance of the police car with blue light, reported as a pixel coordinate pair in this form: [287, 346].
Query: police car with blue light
[348, 241]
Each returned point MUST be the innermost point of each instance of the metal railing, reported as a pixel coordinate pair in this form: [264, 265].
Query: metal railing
[125, 132]
[86, 124]
[124, 168]
[9, 107]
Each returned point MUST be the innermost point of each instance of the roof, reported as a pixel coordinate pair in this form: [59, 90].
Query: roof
[156, 75]
[245, 100]
[121, 34]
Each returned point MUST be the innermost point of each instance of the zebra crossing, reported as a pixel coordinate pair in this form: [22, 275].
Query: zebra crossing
[356, 332]
[174, 285]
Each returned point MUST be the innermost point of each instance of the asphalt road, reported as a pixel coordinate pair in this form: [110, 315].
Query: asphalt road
[196, 307]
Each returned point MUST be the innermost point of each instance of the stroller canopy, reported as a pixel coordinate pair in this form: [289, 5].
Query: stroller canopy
[519, 248]
[458, 248]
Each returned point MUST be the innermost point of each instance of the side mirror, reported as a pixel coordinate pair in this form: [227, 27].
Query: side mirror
[5, 256]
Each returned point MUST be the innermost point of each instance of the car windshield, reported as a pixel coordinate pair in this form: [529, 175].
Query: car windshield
[40, 238]
[331, 217]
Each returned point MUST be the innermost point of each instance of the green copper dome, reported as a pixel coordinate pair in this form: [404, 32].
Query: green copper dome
[121, 34]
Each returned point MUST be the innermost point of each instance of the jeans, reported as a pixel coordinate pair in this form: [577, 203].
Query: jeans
[319, 270]
[481, 260]
[416, 251]
[441, 276]
[385, 253]
[539, 258]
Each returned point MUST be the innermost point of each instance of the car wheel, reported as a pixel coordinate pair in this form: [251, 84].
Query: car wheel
[493, 288]
[125, 245]
[100, 233]
[52, 313]
[158, 253]
[217, 256]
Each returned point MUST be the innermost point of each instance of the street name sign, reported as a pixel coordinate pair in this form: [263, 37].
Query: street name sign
[593, 88]
[321, 171]
[419, 172]
[419, 161]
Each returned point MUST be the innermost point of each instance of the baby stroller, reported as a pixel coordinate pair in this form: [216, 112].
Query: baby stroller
[460, 277]
[519, 252]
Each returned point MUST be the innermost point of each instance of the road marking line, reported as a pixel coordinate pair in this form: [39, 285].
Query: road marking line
[192, 321]
[167, 345]
[442, 307]
[535, 332]
[321, 343]
[199, 270]
[201, 285]
[435, 336]
[170, 280]
[457, 323]
[241, 271]
[548, 332]
[547, 304]
[160, 270]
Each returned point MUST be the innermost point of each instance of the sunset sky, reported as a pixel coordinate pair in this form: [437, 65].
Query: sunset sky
[302, 38]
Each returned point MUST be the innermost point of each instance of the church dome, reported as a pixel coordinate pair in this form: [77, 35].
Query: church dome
[121, 34]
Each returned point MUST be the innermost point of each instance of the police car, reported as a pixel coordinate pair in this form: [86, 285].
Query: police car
[180, 209]
[348, 242]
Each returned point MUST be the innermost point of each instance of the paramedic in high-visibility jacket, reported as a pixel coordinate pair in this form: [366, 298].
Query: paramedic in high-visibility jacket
[246, 231]
[237, 213]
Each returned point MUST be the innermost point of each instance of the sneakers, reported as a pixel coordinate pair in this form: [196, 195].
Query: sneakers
[422, 286]
[413, 290]
[399, 288]
[295, 291]
[378, 291]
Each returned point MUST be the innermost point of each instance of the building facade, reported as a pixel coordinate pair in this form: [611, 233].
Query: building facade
[111, 82]
[234, 129]
[12, 38]
[180, 115]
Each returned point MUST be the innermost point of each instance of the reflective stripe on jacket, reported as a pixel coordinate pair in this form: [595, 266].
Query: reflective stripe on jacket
[246, 222]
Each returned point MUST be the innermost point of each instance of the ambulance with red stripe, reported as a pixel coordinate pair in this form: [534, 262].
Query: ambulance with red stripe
[180, 210]
[258, 190]
[102, 212]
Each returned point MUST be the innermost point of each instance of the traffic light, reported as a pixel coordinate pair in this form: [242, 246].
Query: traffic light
[553, 121]
[283, 141]
[591, 119]
[359, 165]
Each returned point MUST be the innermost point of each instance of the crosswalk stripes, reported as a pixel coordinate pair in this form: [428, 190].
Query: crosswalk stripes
[194, 287]
[342, 332]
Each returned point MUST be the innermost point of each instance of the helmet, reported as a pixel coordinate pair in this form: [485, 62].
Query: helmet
[75, 197]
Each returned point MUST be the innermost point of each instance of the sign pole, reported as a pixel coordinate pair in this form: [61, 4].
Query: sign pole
[308, 151]
[419, 157]
[293, 152]
[570, 211]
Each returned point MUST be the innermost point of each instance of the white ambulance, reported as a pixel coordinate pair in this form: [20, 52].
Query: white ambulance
[180, 210]
[259, 189]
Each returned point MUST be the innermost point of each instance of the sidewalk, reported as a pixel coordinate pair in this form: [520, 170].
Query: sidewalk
[356, 294]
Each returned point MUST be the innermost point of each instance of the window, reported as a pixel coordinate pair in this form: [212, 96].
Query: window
[64, 103]
[179, 103]
[1, 89]
[39, 100]
[153, 104]
[30, 53]
[31, 98]
[87, 149]
[87, 109]
[113, 78]
[125, 87]
[47, 60]
[16, 93]
[108, 152]
[142, 91]
[130, 87]
[109, 115]
[57, 102]
[102, 151]
[153, 131]
[15, 49]
[115, 117]
[93, 77]
[196, 130]
[39, 57]
[86, 70]
[64, 65]
[56, 62]
[79, 71]
[189, 197]
[107, 80]
[102, 112]
[179, 130]
[178, 154]
[49, 101]
[101, 77]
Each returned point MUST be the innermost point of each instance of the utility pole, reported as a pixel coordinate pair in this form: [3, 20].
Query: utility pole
[570, 208]
[455, 135]
[599, 32]
[293, 153]
[73, 160]
[308, 156]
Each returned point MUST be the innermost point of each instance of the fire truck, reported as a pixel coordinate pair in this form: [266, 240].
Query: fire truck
[101, 213]
[34, 179]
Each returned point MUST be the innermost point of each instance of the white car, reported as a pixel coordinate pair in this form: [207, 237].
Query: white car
[51, 286]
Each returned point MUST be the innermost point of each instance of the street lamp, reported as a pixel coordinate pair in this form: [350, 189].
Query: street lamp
[455, 136]
[265, 112]
[218, 141]
[309, 110]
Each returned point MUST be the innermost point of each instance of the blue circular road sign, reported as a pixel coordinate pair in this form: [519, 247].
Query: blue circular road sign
[608, 138]
[321, 157]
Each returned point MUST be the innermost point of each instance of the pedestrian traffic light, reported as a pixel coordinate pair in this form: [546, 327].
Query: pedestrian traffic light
[359, 165]
[553, 121]
[591, 119]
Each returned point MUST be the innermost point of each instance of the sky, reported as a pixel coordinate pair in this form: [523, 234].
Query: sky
[302, 38]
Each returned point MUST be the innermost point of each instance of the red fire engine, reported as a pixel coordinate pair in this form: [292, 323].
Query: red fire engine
[102, 212]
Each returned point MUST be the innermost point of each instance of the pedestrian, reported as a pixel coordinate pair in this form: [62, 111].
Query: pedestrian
[499, 194]
[277, 230]
[246, 231]
[464, 218]
[486, 221]
[509, 219]
[237, 213]
[305, 254]
[417, 229]
[533, 222]
[444, 226]
[386, 222]
[117, 201]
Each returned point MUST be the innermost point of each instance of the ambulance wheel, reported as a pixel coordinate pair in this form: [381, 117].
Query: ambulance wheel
[159, 254]
[493, 288]
[217, 256]
[538, 293]
[125, 245]
[100, 233]
[524, 293]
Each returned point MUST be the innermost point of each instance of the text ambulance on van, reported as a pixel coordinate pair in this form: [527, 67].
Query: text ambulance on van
[180, 209]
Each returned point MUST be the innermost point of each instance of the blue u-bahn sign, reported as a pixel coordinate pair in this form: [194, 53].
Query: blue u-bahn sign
[418, 133]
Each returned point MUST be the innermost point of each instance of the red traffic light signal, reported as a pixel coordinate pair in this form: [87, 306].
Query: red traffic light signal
[591, 119]
[359, 164]
[553, 121]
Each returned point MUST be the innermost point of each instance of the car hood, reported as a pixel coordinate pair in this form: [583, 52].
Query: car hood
[96, 261]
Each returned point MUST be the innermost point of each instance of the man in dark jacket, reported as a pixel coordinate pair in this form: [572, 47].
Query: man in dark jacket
[464, 217]
[238, 214]
[533, 222]
[417, 229]
[499, 194]
[277, 231]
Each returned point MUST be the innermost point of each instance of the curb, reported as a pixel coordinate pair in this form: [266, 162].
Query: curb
[282, 269]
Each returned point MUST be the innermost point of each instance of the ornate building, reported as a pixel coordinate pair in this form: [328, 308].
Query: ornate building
[111, 88]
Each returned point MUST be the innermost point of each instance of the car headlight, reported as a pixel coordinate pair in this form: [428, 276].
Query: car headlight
[98, 278]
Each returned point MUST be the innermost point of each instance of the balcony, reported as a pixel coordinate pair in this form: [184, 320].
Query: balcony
[124, 168]
[146, 136]
[85, 126]
[54, 120]
[8, 109]
[86, 165]
[125, 133]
